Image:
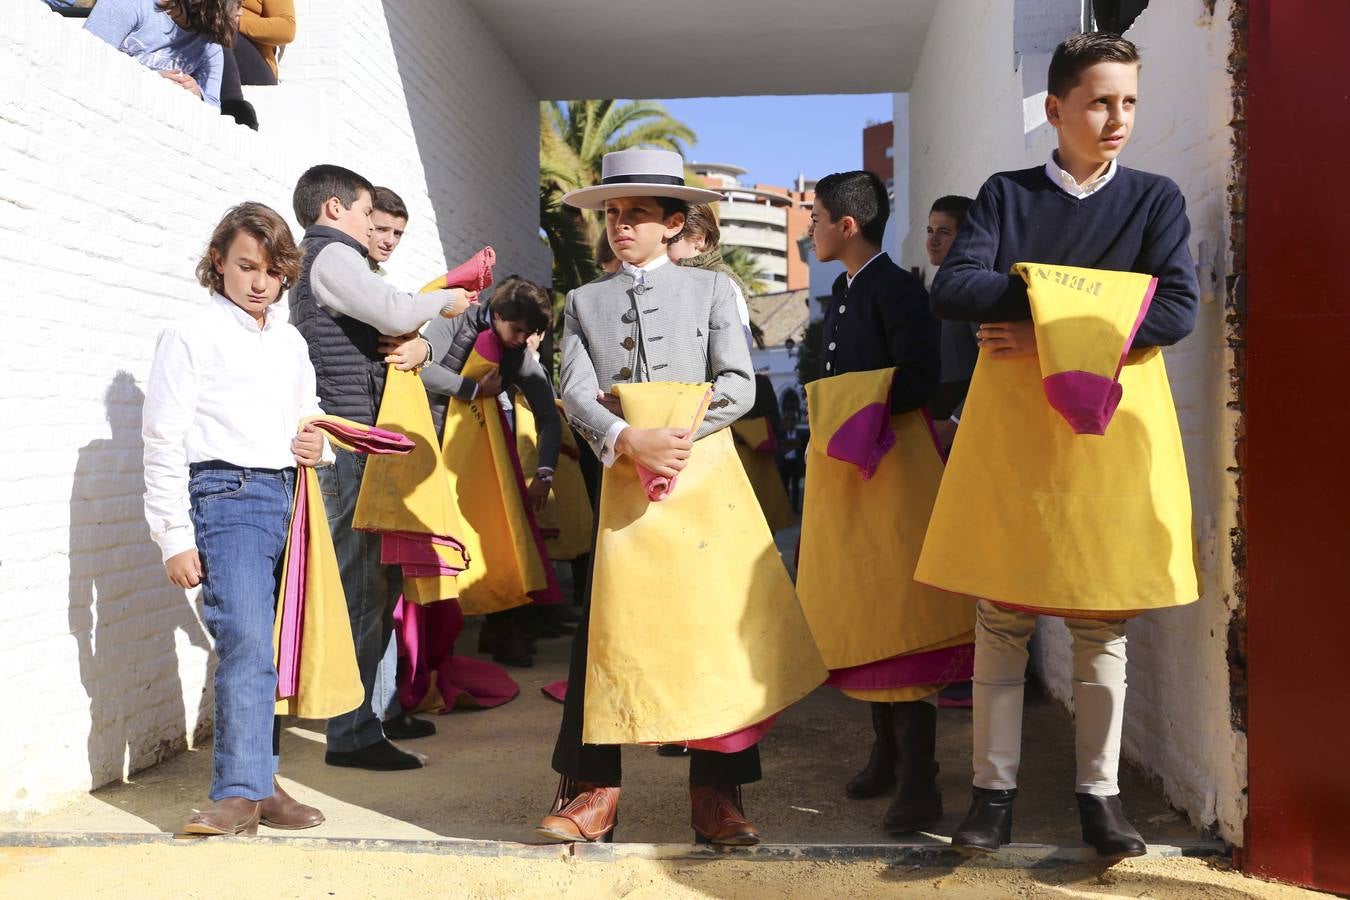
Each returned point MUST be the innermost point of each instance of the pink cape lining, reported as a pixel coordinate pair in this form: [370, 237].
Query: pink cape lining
[475, 273]
[1088, 401]
[864, 438]
[930, 667]
[416, 554]
[426, 641]
[732, 742]
[362, 440]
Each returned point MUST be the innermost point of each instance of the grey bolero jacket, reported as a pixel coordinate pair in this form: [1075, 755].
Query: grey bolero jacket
[681, 326]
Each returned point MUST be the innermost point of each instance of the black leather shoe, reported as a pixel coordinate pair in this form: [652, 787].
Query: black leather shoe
[878, 776]
[404, 727]
[1106, 829]
[381, 756]
[918, 802]
[988, 825]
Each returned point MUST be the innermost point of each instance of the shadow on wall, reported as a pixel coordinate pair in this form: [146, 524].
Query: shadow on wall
[126, 632]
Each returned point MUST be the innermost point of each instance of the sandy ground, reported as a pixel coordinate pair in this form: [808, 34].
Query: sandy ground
[488, 777]
[487, 780]
[225, 868]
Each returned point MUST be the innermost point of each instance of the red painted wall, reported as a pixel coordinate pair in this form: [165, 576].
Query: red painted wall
[877, 140]
[1298, 442]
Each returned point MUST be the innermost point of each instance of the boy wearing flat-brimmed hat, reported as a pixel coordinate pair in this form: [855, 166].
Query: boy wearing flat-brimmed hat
[726, 646]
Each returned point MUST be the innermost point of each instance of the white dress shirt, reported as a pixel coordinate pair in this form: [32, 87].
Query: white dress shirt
[1069, 185]
[220, 388]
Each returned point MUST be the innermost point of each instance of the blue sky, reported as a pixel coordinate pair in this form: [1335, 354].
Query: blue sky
[777, 137]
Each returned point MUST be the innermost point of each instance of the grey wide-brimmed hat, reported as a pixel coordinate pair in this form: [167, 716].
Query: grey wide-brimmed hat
[639, 173]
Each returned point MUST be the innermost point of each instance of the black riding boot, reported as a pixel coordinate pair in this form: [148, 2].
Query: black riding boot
[878, 776]
[988, 825]
[1106, 828]
[918, 802]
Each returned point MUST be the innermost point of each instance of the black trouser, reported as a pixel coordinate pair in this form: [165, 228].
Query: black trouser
[601, 764]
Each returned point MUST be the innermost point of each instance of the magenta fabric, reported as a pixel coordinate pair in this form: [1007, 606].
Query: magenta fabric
[1087, 401]
[864, 438]
[489, 347]
[475, 274]
[657, 487]
[736, 741]
[931, 667]
[416, 553]
[362, 440]
[426, 638]
[293, 601]
[555, 690]
[377, 441]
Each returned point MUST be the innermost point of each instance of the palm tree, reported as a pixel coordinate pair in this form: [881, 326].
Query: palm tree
[573, 140]
[742, 262]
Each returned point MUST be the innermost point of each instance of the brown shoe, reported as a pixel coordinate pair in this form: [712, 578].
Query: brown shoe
[719, 817]
[581, 812]
[232, 815]
[283, 811]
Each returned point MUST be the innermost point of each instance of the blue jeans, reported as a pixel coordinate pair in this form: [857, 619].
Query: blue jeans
[241, 517]
[372, 592]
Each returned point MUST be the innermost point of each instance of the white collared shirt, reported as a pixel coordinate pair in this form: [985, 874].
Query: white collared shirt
[1069, 185]
[848, 279]
[220, 388]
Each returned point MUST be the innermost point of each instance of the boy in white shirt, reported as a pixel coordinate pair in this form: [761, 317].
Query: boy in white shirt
[227, 390]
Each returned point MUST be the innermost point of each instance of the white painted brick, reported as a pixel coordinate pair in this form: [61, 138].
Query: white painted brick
[966, 122]
[110, 181]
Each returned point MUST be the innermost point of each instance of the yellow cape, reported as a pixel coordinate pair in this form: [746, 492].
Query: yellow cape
[861, 537]
[566, 519]
[695, 631]
[409, 493]
[762, 470]
[498, 537]
[329, 683]
[1034, 515]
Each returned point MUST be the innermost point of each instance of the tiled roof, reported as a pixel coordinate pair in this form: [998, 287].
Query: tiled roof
[780, 316]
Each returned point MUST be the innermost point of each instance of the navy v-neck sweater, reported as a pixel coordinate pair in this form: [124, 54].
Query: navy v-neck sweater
[1135, 223]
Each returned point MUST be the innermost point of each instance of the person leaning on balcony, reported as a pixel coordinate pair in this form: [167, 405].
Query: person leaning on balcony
[269, 25]
[183, 40]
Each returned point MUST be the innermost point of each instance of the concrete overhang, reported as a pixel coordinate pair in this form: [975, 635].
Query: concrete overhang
[592, 49]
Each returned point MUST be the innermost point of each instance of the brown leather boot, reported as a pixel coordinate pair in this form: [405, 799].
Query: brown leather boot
[718, 816]
[283, 811]
[230, 815]
[581, 812]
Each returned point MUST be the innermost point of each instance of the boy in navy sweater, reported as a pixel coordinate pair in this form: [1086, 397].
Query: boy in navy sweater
[1080, 209]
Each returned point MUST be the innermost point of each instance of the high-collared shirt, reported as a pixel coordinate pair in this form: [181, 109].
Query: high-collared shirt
[639, 273]
[220, 388]
[848, 279]
[1069, 185]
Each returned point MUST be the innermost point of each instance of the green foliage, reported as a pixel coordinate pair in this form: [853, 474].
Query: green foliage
[573, 140]
[742, 262]
[808, 354]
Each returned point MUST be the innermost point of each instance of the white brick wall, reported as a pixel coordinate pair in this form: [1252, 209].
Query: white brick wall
[966, 121]
[110, 180]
